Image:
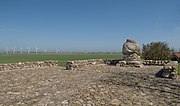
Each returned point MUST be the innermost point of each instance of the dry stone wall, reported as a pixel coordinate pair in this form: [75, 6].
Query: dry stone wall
[169, 70]
[20, 65]
[71, 65]
[155, 62]
[84, 63]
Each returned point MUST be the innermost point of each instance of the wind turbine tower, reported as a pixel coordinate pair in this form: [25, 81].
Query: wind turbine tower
[21, 50]
[29, 50]
[36, 50]
[57, 51]
[14, 50]
[45, 51]
[7, 50]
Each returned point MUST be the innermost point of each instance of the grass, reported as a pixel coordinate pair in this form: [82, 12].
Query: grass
[61, 58]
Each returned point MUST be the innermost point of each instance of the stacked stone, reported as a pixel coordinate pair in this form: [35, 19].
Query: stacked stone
[4, 67]
[131, 51]
[155, 62]
[170, 70]
[71, 65]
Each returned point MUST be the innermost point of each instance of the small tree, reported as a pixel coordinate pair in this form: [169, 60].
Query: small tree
[156, 51]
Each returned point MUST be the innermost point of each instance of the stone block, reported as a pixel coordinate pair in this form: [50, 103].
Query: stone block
[170, 70]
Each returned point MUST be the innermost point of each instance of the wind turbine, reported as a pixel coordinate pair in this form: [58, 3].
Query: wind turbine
[36, 50]
[14, 50]
[7, 50]
[29, 50]
[21, 50]
[45, 51]
[57, 51]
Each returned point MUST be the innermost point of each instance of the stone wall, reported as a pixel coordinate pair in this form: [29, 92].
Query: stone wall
[4, 67]
[155, 62]
[169, 71]
[84, 63]
[71, 65]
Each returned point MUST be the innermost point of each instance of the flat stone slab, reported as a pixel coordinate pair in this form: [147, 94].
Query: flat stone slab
[91, 86]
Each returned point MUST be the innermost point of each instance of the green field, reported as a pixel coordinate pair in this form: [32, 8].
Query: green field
[62, 58]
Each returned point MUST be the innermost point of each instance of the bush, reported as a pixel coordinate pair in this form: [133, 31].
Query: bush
[156, 51]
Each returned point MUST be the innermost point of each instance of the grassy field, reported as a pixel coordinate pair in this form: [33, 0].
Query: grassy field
[62, 58]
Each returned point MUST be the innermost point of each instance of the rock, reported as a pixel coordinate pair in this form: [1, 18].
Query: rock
[173, 64]
[170, 70]
[115, 102]
[121, 63]
[134, 62]
[76, 103]
[166, 73]
[93, 63]
[131, 51]
[65, 103]
[167, 67]
[131, 47]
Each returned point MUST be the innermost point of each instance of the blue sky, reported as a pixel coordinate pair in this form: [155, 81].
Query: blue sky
[88, 25]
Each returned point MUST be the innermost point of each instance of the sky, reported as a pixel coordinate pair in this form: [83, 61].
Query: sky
[88, 25]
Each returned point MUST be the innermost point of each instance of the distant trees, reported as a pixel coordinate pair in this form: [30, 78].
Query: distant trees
[156, 51]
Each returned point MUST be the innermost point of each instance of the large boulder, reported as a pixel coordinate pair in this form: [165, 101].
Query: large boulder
[170, 70]
[131, 51]
[131, 46]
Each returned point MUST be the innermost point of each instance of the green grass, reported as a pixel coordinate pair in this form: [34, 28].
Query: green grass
[62, 58]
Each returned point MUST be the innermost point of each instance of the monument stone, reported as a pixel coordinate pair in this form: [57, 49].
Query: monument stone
[131, 51]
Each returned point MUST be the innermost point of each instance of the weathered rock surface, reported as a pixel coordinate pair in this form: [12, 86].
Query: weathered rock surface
[131, 51]
[91, 86]
[130, 47]
[170, 70]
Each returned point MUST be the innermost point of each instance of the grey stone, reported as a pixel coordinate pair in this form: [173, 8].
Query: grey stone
[130, 47]
[170, 70]
[65, 103]
[166, 73]
[115, 102]
[173, 64]
[131, 51]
